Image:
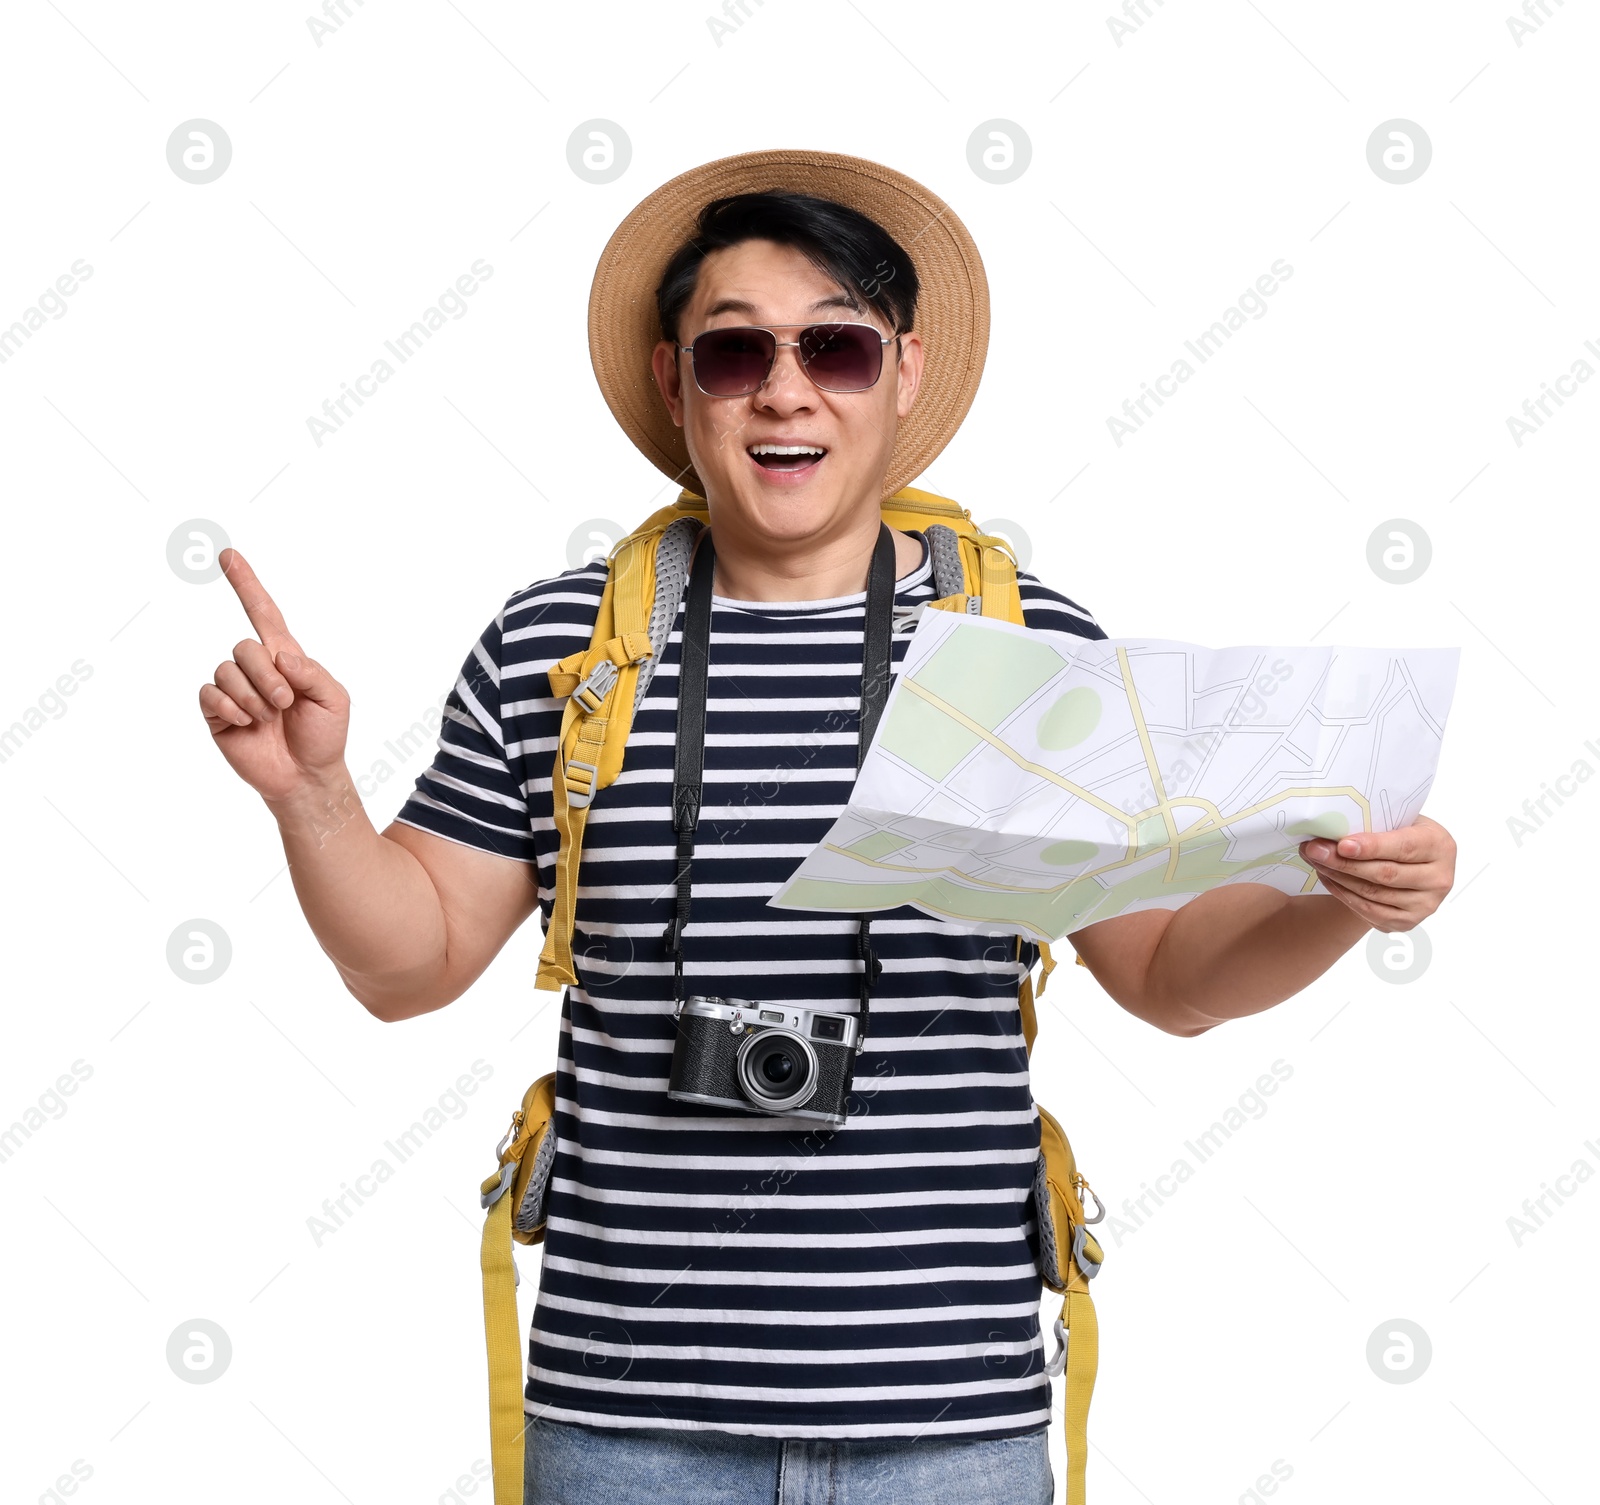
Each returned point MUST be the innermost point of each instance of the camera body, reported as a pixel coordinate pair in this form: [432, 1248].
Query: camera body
[763, 1057]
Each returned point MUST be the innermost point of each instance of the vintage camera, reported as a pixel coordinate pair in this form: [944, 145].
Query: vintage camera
[768, 1057]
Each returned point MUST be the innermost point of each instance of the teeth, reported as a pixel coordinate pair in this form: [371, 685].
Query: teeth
[786, 449]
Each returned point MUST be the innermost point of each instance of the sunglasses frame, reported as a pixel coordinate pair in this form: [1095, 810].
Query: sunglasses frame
[777, 344]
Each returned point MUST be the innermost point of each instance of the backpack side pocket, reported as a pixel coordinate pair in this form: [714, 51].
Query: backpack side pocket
[1069, 1255]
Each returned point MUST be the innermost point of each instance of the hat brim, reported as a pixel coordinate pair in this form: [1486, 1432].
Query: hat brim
[952, 305]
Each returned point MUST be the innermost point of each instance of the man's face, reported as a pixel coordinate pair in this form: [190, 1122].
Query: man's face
[760, 282]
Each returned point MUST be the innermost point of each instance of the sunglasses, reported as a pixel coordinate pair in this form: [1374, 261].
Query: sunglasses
[837, 357]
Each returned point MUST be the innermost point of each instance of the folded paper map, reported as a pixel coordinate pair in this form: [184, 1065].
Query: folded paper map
[1035, 782]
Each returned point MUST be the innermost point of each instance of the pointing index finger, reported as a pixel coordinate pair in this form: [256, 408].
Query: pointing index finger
[261, 609]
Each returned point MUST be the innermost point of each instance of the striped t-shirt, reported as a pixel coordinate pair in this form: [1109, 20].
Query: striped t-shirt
[706, 1267]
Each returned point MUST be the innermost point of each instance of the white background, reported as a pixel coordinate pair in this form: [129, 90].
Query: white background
[1167, 174]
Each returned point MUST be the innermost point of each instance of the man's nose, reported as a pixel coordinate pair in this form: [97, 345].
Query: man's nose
[787, 385]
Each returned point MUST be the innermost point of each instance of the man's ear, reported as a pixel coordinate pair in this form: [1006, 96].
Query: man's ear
[664, 363]
[908, 372]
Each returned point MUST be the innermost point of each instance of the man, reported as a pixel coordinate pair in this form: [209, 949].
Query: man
[726, 1312]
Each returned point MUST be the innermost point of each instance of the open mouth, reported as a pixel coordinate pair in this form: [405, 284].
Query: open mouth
[787, 459]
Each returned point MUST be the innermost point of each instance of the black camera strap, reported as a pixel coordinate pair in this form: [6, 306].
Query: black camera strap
[877, 660]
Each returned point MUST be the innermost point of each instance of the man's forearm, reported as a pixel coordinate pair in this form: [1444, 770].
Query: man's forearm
[370, 903]
[1239, 950]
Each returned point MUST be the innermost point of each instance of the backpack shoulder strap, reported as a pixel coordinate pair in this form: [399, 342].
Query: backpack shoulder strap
[973, 571]
[944, 548]
[602, 683]
[987, 583]
[1026, 992]
[1072, 1256]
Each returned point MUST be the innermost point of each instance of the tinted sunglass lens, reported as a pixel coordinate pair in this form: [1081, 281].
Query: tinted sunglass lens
[841, 357]
[732, 362]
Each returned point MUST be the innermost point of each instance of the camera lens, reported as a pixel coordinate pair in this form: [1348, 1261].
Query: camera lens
[776, 1069]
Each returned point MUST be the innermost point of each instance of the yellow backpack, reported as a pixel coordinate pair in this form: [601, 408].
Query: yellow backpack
[976, 573]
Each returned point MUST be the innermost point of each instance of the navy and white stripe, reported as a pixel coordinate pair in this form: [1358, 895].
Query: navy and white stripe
[705, 1267]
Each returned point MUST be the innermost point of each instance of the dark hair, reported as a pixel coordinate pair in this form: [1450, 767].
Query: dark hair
[855, 251]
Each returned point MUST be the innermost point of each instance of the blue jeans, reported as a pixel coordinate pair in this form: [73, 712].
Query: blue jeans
[568, 1464]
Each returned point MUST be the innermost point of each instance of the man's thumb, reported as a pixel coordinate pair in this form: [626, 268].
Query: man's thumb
[305, 675]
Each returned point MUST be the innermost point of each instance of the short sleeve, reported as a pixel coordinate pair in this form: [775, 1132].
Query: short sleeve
[1049, 611]
[471, 793]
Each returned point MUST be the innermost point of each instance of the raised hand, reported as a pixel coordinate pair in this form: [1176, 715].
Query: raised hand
[279, 717]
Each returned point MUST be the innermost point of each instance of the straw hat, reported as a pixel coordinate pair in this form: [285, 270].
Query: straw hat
[952, 307]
